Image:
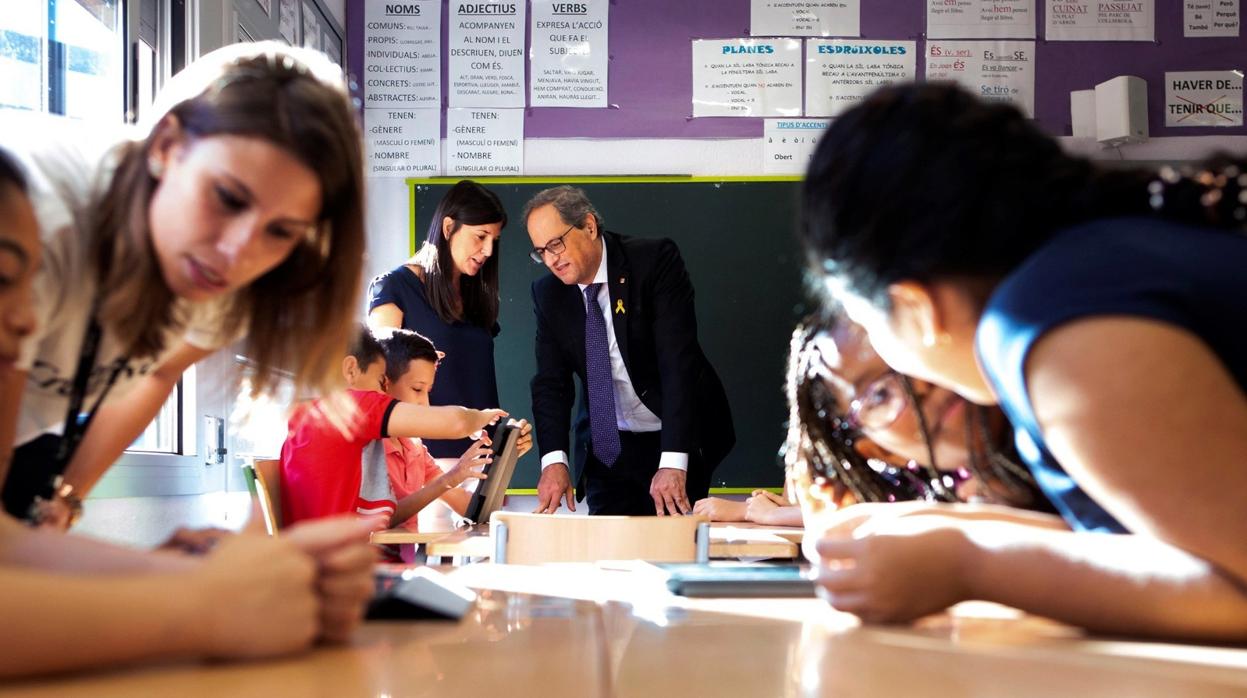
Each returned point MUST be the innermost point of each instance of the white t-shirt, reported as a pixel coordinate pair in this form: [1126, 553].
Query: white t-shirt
[66, 163]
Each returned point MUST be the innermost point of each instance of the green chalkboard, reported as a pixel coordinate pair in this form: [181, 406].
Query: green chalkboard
[738, 242]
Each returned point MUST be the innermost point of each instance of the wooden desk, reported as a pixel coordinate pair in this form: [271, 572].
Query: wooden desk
[749, 540]
[399, 536]
[625, 642]
[727, 541]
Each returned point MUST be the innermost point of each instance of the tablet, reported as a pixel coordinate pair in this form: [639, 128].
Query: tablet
[491, 491]
[739, 580]
[420, 593]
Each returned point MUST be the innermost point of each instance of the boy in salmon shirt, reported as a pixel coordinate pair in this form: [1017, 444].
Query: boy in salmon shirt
[411, 367]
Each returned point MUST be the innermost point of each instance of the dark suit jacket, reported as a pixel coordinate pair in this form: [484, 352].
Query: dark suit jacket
[657, 336]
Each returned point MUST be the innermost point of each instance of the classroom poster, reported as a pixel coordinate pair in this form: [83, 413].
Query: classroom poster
[484, 142]
[486, 64]
[401, 54]
[993, 70]
[1100, 20]
[747, 77]
[788, 144]
[311, 28]
[980, 19]
[805, 17]
[1203, 18]
[1204, 98]
[569, 53]
[288, 20]
[840, 72]
[403, 142]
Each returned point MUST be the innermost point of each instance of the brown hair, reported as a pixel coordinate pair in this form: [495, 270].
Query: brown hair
[297, 316]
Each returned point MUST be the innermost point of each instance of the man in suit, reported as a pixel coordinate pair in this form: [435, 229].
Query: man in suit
[618, 312]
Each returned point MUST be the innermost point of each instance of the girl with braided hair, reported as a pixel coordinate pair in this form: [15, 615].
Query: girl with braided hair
[866, 434]
[860, 432]
[1100, 309]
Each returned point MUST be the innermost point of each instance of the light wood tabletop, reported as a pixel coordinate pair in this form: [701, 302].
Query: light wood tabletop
[727, 541]
[401, 536]
[611, 634]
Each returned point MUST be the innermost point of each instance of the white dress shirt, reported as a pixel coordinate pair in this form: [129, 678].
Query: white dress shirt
[630, 413]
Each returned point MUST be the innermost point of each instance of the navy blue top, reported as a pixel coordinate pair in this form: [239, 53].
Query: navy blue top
[466, 376]
[1185, 276]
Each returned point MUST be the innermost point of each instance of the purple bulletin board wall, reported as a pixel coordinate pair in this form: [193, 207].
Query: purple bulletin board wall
[651, 84]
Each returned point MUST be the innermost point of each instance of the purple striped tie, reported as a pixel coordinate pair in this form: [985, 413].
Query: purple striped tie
[602, 424]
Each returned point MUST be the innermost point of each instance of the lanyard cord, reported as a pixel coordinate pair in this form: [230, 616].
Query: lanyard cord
[75, 426]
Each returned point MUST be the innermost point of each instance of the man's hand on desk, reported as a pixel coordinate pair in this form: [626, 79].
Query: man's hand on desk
[667, 489]
[555, 484]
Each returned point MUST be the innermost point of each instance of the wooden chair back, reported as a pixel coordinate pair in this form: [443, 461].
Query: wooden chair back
[264, 481]
[532, 539]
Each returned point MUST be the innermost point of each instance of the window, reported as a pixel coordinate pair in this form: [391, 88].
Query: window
[63, 57]
[68, 57]
[259, 424]
[164, 434]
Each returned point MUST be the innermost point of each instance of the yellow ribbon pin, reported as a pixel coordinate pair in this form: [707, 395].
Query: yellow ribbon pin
[619, 307]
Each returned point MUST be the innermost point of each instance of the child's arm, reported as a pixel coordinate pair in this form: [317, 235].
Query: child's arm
[446, 422]
[12, 385]
[252, 596]
[119, 422]
[52, 551]
[909, 567]
[444, 486]
[719, 509]
[852, 516]
[457, 499]
[771, 509]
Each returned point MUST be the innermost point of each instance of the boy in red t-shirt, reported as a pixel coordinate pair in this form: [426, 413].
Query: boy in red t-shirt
[411, 367]
[327, 470]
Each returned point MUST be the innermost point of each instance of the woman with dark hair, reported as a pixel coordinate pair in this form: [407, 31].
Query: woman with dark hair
[1102, 310]
[448, 292]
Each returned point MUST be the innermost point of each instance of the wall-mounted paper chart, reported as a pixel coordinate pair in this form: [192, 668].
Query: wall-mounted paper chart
[747, 77]
[805, 17]
[980, 19]
[841, 72]
[486, 63]
[993, 70]
[569, 53]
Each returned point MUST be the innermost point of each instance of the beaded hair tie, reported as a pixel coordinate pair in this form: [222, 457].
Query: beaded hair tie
[1222, 193]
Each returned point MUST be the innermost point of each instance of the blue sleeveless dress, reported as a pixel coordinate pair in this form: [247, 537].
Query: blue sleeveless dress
[466, 376]
[1191, 277]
